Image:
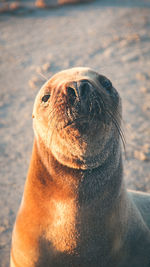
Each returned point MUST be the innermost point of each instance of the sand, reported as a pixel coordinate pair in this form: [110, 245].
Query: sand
[113, 37]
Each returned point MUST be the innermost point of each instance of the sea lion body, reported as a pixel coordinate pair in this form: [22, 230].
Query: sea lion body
[76, 210]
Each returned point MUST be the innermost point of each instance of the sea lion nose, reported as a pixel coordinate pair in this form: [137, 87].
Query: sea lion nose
[83, 88]
[78, 90]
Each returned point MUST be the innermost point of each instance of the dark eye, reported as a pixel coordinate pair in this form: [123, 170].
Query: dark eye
[45, 98]
[106, 83]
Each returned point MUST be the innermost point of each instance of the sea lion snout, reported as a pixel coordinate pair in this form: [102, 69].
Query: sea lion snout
[80, 99]
[79, 90]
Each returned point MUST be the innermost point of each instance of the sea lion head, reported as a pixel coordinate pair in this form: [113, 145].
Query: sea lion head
[77, 116]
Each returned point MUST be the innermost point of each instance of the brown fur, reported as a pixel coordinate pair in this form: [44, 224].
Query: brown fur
[75, 209]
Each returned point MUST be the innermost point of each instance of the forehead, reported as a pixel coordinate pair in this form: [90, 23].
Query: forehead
[74, 74]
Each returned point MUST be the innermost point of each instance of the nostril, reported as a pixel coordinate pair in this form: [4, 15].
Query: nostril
[70, 91]
[71, 94]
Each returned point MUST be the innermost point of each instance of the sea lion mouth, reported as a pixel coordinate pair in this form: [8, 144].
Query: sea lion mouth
[81, 124]
[84, 108]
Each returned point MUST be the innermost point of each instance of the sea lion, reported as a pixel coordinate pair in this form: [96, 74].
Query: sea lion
[76, 210]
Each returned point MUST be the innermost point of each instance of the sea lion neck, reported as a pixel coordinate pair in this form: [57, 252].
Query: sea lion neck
[67, 199]
[83, 185]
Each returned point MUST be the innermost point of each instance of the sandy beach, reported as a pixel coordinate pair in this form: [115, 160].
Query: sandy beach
[112, 37]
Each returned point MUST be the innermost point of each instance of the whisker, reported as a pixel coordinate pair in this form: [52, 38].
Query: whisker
[57, 108]
[114, 119]
[119, 129]
[42, 75]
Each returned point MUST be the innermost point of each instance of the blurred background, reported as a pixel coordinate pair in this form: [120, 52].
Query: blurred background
[39, 38]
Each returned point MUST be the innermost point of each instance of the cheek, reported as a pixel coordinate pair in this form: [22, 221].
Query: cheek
[41, 126]
[42, 115]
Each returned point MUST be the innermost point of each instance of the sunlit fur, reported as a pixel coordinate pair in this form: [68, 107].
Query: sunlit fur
[75, 210]
[67, 144]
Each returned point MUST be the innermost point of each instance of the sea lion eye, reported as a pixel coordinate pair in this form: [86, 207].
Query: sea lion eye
[45, 98]
[106, 83]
